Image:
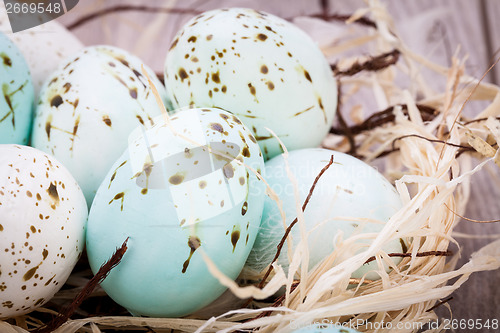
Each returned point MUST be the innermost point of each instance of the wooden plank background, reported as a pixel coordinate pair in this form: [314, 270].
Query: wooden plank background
[442, 26]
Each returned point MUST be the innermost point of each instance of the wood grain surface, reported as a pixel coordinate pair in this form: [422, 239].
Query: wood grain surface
[434, 28]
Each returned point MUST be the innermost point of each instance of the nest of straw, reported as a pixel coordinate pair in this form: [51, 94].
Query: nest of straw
[426, 146]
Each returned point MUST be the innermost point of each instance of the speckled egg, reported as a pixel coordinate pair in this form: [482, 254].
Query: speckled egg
[260, 67]
[17, 95]
[42, 228]
[325, 328]
[350, 197]
[183, 188]
[87, 109]
[44, 47]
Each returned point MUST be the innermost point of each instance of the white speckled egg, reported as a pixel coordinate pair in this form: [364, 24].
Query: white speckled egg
[16, 94]
[87, 109]
[175, 199]
[42, 228]
[350, 197]
[260, 67]
[44, 47]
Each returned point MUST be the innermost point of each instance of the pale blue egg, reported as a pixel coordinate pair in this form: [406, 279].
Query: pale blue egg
[16, 96]
[325, 328]
[176, 199]
[351, 197]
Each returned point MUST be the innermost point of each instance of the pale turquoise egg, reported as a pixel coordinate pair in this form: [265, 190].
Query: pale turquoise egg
[88, 107]
[260, 67]
[351, 197]
[325, 328]
[16, 96]
[175, 199]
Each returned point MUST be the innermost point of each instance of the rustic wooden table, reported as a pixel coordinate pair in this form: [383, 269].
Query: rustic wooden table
[442, 26]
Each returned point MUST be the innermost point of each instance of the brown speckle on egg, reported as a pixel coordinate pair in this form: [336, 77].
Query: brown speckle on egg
[244, 208]
[194, 243]
[228, 171]
[262, 37]
[176, 179]
[56, 101]
[252, 89]
[183, 74]
[235, 237]
[106, 120]
[217, 127]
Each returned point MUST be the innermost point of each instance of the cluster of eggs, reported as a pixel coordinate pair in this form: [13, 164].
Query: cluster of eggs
[184, 187]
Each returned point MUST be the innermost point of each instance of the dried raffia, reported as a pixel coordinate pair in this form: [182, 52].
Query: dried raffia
[426, 144]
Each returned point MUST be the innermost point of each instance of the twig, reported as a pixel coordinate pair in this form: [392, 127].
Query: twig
[127, 8]
[446, 300]
[325, 8]
[430, 140]
[477, 120]
[278, 301]
[343, 124]
[103, 272]
[419, 254]
[150, 9]
[289, 229]
[344, 17]
[383, 117]
[373, 64]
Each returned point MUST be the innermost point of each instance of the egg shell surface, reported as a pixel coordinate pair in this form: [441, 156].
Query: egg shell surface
[325, 328]
[174, 199]
[44, 47]
[87, 109]
[260, 67]
[42, 228]
[17, 94]
[350, 197]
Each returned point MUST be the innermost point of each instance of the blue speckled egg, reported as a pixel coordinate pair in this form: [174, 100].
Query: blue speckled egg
[17, 94]
[88, 107]
[180, 189]
[260, 67]
[351, 197]
[325, 328]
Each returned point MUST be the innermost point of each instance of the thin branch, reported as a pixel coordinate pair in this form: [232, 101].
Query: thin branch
[419, 254]
[103, 272]
[383, 117]
[343, 124]
[344, 17]
[151, 9]
[430, 140]
[373, 64]
[477, 120]
[446, 300]
[127, 8]
[289, 229]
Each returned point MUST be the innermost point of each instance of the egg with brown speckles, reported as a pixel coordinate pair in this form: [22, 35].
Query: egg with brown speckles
[42, 228]
[260, 67]
[184, 188]
[16, 94]
[43, 46]
[87, 109]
